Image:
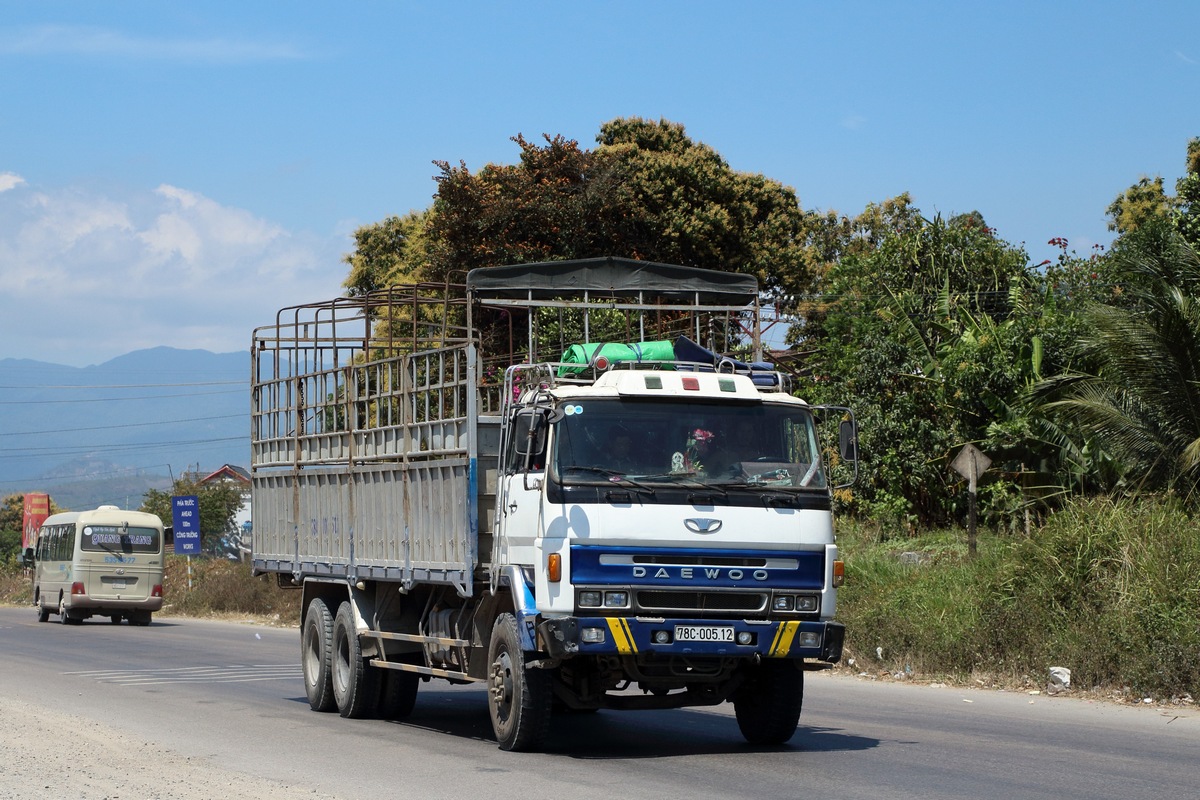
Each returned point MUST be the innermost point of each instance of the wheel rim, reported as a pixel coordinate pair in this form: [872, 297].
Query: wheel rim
[502, 686]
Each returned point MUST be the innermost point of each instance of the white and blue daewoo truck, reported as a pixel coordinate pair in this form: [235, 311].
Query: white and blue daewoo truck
[548, 480]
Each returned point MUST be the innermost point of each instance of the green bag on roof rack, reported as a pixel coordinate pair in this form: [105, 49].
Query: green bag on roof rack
[585, 354]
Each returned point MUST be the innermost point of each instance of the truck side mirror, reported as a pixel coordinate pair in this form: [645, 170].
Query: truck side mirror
[530, 431]
[848, 440]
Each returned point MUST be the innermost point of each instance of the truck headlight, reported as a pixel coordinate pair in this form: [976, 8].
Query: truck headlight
[589, 599]
[616, 599]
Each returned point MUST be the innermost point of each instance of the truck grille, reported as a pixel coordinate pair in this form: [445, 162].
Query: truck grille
[700, 603]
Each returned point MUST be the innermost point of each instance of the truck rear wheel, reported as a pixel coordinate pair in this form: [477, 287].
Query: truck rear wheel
[355, 682]
[518, 698]
[398, 694]
[315, 648]
[768, 705]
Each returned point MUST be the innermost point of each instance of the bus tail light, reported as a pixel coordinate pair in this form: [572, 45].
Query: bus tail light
[156, 591]
[77, 587]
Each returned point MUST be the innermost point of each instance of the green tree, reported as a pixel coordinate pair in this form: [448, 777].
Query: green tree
[647, 191]
[1141, 202]
[387, 253]
[219, 504]
[920, 330]
[1140, 400]
[548, 206]
[1147, 201]
[12, 521]
[681, 202]
[12, 512]
[1187, 221]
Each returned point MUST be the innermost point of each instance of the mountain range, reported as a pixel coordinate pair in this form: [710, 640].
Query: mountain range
[109, 432]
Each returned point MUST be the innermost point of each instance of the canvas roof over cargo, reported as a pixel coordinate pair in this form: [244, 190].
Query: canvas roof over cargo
[539, 312]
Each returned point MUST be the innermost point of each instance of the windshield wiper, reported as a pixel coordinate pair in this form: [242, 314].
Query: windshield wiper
[614, 476]
[685, 479]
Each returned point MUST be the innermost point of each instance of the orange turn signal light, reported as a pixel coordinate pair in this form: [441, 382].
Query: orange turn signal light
[554, 568]
[839, 573]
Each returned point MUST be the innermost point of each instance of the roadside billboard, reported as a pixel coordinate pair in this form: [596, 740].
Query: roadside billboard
[37, 508]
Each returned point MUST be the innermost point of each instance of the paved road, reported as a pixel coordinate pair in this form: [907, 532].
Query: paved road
[192, 709]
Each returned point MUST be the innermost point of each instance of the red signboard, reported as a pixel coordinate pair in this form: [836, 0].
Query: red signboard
[37, 508]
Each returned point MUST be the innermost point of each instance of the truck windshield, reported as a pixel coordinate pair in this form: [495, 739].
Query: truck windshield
[677, 442]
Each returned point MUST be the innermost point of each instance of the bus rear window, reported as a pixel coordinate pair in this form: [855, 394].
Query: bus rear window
[119, 539]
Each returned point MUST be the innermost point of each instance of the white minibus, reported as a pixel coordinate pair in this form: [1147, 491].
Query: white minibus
[105, 562]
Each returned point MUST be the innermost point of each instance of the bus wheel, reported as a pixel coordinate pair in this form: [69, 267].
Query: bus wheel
[768, 705]
[141, 618]
[315, 647]
[518, 698]
[42, 612]
[115, 619]
[355, 682]
[64, 613]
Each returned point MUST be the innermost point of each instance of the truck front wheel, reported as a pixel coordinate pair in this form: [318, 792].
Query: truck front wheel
[315, 648]
[768, 704]
[518, 698]
[355, 682]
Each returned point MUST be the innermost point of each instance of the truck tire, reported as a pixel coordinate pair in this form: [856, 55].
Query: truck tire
[518, 698]
[398, 694]
[355, 682]
[768, 704]
[315, 648]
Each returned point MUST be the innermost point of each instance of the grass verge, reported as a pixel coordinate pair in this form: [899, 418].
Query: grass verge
[1109, 590]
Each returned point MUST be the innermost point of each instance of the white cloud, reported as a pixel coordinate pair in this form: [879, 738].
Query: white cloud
[10, 180]
[85, 277]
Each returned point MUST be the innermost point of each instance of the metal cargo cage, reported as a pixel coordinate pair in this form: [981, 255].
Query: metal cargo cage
[373, 418]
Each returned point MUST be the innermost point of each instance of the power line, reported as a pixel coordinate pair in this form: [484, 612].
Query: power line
[26, 452]
[128, 385]
[126, 425]
[108, 399]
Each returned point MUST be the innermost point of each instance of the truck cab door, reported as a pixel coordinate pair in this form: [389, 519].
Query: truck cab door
[522, 474]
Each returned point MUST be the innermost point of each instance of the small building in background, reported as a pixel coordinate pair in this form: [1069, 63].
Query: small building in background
[237, 541]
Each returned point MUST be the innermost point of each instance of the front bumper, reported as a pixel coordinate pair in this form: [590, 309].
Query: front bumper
[568, 637]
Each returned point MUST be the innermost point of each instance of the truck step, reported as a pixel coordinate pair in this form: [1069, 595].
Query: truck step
[432, 671]
[419, 638]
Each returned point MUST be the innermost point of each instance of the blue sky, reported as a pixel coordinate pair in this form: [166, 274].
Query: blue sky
[173, 173]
